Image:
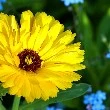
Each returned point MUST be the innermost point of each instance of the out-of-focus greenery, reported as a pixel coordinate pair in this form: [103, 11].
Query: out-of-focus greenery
[91, 22]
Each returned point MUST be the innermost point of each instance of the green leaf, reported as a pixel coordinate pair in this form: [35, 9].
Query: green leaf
[3, 91]
[76, 91]
[1, 106]
[87, 35]
[104, 30]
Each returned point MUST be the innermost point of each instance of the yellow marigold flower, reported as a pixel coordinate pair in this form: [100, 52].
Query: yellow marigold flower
[36, 57]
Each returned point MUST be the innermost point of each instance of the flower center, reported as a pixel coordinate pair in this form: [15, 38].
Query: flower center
[29, 60]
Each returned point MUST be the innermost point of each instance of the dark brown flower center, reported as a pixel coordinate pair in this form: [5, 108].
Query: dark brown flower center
[29, 60]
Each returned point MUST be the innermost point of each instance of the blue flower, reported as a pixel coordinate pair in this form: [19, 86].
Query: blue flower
[94, 101]
[88, 107]
[53, 108]
[108, 55]
[68, 2]
[101, 95]
[98, 107]
[57, 106]
[89, 99]
[2, 1]
[50, 108]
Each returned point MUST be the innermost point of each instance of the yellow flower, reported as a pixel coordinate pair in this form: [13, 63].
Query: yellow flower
[36, 57]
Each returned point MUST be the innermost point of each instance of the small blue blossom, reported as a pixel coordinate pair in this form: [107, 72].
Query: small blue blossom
[108, 55]
[101, 95]
[88, 107]
[94, 101]
[68, 2]
[57, 106]
[89, 99]
[98, 107]
[53, 108]
[50, 108]
[2, 1]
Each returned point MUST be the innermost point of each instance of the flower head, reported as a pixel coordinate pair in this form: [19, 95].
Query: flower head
[94, 101]
[89, 99]
[68, 2]
[101, 95]
[36, 58]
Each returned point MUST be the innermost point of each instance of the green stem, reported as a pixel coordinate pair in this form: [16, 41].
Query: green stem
[16, 103]
[1, 106]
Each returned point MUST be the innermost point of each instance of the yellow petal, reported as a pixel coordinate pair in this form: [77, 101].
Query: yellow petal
[4, 71]
[47, 74]
[9, 58]
[25, 89]
[2, 60]
[53, 51]
[11, 81]
[58, 45]
[26, 21]
[65, 37]
[48, 89]
[40, 38]
[69, 57]
[54, 31]
[42, 19]
[26, 26]
[17, 86]
[62, 85]
[35, 93]
[3, 40]
[14, 30]
[64, 67]
[4, 24]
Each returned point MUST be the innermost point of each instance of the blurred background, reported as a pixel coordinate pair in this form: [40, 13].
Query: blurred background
[90, 20]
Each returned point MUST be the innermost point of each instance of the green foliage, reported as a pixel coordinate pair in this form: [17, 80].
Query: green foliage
[16, 7]
[104, 30]
[3, 91]
[87, 35]
[1, 106]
